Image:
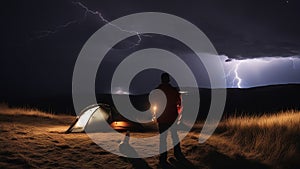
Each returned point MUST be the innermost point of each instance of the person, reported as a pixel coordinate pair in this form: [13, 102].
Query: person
[167, 118]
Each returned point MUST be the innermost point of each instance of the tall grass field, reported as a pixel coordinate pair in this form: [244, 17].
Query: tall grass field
[274, 138]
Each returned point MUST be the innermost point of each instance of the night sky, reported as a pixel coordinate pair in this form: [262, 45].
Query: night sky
[258, 41]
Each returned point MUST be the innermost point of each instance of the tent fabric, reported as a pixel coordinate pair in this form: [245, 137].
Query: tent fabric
[91, 119]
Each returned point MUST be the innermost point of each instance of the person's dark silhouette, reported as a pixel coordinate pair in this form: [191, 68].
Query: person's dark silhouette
[167, 118]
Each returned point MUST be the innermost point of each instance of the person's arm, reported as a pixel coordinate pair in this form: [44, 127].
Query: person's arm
[179, 104]
[179, 108]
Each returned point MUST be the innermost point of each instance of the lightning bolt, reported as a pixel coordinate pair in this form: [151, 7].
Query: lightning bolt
[99, 15]
[45, 33]
[234, 71]
[87, 11]
[233, 67]
[229, 74]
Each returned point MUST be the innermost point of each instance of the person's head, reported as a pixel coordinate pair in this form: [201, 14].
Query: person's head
[165, 78]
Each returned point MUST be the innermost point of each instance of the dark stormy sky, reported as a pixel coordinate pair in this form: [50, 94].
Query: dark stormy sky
[41, 41]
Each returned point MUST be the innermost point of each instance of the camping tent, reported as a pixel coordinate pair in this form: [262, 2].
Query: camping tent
[94, 118]
[90, 118]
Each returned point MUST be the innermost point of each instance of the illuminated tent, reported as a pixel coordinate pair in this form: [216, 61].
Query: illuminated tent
[94, 118]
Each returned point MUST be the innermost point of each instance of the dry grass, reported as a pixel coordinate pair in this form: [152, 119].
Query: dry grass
[29, 135]
[5, 109]
[272, 138]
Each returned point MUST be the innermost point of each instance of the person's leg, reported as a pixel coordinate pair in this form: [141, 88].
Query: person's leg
[177, 150]
[162, 142]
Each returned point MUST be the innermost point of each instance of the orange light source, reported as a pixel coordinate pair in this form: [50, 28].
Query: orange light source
[120, 123]
[154, 113]
[154, 108]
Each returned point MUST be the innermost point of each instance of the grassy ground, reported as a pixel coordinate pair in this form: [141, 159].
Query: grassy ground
[274, 139]
[34, 139]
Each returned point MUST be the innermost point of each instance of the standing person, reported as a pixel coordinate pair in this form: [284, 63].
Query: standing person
[167, 118]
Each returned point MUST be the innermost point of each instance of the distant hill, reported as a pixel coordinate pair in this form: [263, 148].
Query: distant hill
[266, 99]
[263, 99]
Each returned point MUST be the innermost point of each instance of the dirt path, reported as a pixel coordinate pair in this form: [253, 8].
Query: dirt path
[29, 141]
